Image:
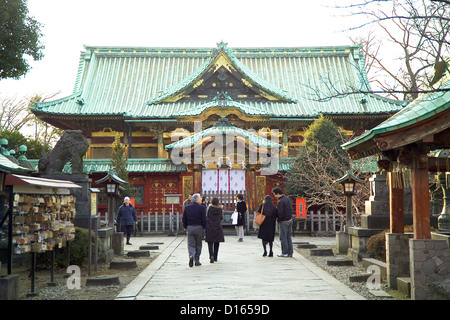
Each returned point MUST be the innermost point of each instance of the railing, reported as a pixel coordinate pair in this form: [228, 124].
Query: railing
[320, 220]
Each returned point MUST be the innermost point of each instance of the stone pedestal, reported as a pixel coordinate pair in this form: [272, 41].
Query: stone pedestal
[9, 287]
[377, 207]
[343, 242]
[117, 243]
[430, 265]
[397, 257]
[359, 238]
[105, 243]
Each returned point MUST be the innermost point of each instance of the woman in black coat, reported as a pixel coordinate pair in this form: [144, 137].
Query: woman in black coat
[241, 209]
[214, 232]
[267, 229]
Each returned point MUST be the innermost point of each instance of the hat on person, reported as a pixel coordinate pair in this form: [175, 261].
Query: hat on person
[126, 198]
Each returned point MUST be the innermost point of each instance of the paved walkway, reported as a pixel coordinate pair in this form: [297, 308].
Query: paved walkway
[240, 273]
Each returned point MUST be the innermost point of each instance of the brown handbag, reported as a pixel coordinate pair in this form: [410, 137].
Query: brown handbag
[259, 217]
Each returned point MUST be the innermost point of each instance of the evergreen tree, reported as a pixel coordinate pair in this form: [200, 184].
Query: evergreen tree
[19, 36]
[319, 162]
[119, 166]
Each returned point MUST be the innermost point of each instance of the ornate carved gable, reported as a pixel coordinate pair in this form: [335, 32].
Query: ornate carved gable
[223, 73]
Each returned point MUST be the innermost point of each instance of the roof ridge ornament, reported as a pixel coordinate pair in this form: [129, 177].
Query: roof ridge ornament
[223, 122]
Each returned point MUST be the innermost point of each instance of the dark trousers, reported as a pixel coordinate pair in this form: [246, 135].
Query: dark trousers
[213, 248]
[127, 230]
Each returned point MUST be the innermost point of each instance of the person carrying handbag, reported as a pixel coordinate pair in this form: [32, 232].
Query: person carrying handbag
[267, 229]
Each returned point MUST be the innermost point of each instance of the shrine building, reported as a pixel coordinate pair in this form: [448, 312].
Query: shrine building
[217, 119]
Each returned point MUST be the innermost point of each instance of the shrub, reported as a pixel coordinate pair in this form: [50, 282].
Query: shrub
[78, 252]
[377, 245]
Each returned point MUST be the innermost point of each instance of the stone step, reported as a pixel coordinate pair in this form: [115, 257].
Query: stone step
[123, 264]
[359, 277]
[306, 246]
[299, 242]
[321, 252]
[149, 247]
[404, 286]
[340, 262]
[103, 281]
[138, 254]
[155, 243]
[380, 294]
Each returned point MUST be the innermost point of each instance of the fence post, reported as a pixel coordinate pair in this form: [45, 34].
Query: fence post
[326, 220]
[178, 221]
[142, 222]
[312, 220]
[320, 220]
[163, 221]
[334, 220]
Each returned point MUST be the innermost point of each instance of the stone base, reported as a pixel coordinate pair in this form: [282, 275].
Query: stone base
[103, 281]
[105, 244]
[9, 287]
[340, 262]
[397, 257]
[117, 243]
[321, 252]
[149, 247]
[367, 262]
[359, 238]
[404, 286]
[123, 264]
[343, 242]
[430, 264]
[138, 254]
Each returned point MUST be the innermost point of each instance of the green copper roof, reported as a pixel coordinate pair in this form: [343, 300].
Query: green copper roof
[91, 166]
[224, 127]
[133, 82]
[222, 101]
[424, 107]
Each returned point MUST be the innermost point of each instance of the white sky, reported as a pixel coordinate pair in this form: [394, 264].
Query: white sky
[68, 25]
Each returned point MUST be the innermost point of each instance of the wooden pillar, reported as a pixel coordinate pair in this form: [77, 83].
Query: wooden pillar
[396, 207]
[284, 148]
[160, 144]
[197, 179]
[421, 197]
[130, 134]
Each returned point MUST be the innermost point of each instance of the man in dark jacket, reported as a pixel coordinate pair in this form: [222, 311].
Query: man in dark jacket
[194, 220]
[126, 215]
[284, 209]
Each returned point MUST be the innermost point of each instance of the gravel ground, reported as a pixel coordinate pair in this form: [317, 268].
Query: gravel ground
[342, 274]
[61, 292]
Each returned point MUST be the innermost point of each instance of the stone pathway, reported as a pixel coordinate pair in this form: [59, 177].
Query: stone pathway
[241, 273]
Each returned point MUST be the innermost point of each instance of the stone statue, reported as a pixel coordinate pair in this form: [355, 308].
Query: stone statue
[72, 146]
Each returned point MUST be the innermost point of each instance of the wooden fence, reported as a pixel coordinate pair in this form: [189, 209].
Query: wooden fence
[320, 220]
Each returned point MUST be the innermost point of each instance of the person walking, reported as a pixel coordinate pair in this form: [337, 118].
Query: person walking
[241, 208]
[284, 210]
[267, 229]
[126, 215]
[214, 231]
[194, 221]
[187, 201]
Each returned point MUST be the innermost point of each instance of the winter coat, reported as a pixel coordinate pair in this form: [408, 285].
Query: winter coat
[267, 229]
[214, 232]
[241, 208]
[284, 208]
[126, 215]
[194, 215]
